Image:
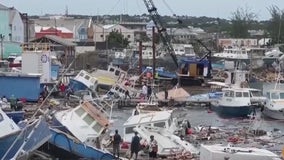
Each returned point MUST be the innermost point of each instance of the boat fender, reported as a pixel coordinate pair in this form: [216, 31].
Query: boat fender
[233, 139]
[124, 145]
[186, 155]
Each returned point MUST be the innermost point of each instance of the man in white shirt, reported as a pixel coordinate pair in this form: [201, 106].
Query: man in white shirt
[144, 91]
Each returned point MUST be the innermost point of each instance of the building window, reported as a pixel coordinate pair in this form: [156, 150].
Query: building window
[128, 36]
[102, 36]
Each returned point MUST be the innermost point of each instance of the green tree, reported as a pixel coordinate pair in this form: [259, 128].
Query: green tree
[276, 24]
[241, 21]
[117, 39]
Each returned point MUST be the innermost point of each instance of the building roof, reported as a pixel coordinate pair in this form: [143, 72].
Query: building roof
[108, 26]
[3, 7]
[63, 29]
[12, 13]
[54, 39]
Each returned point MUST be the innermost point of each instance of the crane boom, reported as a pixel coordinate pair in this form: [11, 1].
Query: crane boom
[161, 29]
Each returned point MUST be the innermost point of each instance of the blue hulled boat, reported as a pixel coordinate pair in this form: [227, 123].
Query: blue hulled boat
[78, 131]
[19, 141]
[83, 81]
[238, 100]
[71, 144]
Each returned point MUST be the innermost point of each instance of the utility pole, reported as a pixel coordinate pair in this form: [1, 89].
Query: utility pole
[154, 52]
[2, 49]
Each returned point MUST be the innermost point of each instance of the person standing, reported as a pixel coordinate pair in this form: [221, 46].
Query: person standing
[153, 148]
[116, 143]
[13, 102]
[144, 91]
[135, 146]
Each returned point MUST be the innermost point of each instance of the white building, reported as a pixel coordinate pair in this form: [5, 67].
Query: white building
[102, 31]
[16, 26]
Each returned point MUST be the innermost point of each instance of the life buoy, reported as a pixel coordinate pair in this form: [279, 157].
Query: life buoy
[233, 139]
[225, 75]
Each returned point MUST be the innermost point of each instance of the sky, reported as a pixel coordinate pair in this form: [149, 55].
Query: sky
[209, 8]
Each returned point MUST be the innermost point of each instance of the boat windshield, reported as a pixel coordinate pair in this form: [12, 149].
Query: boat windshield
[129, 130]
[276, 95]
[229, 94]
[255, 93]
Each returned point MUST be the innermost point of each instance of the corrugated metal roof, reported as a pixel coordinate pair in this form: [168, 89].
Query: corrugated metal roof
[63, 29]
[60, 40]
[56, 39]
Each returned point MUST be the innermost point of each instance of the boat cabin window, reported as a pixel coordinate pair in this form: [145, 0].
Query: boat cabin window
[111, 69]
[129, 130]
[87, 77]
[1, 117]
[245, 94]
[80, 111]
[117, 72]
[88, 119]
[81, 74]
[238, 94]
[281, 95]
[97, 127]
[160, 124]
[255, 93]
[121, 90]
[94, 81]
[229, 94]
[274, 96]
[169, 122]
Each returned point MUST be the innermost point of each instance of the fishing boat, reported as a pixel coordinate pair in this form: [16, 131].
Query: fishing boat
[71, 144]
[19, 141]
[229, 152]
[169, 145]
[235, 53]
[273, 106]
[273, 55]
[163, 119]
[83, 81]
[238, 100]
[107, 78]
[86, 124]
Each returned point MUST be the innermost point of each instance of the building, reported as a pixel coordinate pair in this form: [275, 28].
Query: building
[64, 49]
[231, 42]
[102, 32]
[56, 31]
[11, 31]
[77, 26]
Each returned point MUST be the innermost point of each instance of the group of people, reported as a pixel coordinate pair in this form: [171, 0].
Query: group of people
[135, 146]
[14, 103]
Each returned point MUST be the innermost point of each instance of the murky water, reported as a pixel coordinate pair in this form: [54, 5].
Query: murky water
[201, 116]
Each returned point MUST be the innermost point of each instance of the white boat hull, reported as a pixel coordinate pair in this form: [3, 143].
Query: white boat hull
[274, 114]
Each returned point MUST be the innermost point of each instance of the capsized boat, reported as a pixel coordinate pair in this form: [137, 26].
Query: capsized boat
[86, 124]
[169, 145]
[19, 141]
[274, 104]
[163, 119]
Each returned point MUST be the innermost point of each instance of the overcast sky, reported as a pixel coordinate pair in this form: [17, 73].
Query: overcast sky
[211, 8]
